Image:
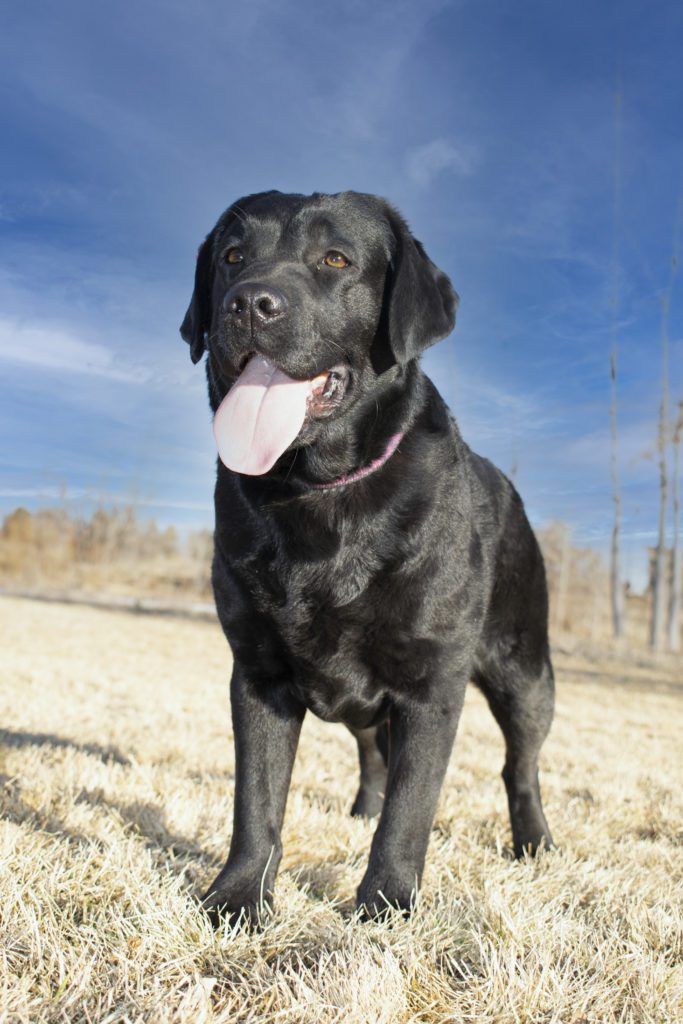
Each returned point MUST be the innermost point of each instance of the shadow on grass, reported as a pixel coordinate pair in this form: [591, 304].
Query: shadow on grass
[633, 683]
[109, 754]
[170, 849]
[148, 822]
[14, 808]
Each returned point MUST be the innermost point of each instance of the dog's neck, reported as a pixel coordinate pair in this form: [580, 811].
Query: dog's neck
[358, 474]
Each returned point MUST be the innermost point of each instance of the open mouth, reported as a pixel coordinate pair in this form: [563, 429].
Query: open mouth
[327, 391]
[266, 410]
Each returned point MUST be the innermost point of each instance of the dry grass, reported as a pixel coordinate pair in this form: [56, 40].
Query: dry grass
[116, 775]
[113, 552]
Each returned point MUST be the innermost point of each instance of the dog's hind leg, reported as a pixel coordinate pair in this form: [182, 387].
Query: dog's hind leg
[373, 754]
[522, 700]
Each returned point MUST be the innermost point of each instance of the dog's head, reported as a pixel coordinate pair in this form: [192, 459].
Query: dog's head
[324, 293]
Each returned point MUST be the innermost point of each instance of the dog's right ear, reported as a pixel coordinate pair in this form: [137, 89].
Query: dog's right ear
[422, 301]
[197, 322]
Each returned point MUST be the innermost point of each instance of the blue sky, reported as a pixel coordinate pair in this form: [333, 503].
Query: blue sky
[127, 128]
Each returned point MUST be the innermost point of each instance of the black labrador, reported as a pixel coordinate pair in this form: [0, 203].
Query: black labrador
[367, 563]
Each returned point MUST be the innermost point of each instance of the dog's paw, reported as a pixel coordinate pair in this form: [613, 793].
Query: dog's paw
[249, 909]
[368, 804]
[531, 847]
[377, 900]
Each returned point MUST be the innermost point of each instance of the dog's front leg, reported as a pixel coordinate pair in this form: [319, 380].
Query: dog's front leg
[266, 724]
[421, 739]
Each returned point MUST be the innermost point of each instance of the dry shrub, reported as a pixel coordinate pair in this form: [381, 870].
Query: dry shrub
[578, 584]
[579, 589]
[111, 551]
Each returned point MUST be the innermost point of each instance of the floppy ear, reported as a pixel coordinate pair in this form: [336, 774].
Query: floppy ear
[421, 301]
[197, 322]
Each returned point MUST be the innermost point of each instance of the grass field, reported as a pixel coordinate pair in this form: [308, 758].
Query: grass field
[116, 785]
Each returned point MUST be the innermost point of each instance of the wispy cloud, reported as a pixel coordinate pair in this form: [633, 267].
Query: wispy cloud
[47, 347]
[636, 446]
[425, 162]
[489, 410]
[350, 109]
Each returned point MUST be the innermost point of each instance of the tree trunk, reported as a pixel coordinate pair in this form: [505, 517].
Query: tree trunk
[617, 594]
[658, 582]
[658, 579]
[616, 591]
[563, 581]
[674, 629]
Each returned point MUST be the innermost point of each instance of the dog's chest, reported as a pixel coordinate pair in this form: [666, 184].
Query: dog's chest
[348, 632]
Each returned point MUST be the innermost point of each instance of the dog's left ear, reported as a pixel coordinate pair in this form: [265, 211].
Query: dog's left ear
[197, 322]
[421, 301]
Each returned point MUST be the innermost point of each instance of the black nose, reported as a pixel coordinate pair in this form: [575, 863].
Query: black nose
[254, 302]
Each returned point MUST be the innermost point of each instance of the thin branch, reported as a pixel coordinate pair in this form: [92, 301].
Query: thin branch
[617, 597]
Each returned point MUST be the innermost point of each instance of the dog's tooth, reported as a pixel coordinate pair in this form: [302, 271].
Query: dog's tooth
[331, 384]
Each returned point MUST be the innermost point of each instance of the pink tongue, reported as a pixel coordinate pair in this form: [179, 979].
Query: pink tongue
[259, 417]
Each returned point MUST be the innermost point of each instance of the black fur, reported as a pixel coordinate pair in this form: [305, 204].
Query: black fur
[372, 603]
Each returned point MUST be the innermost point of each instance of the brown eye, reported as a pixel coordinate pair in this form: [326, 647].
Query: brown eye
[233, 255]
[336, 260]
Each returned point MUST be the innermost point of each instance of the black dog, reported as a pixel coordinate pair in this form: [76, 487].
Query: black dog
[367, 564]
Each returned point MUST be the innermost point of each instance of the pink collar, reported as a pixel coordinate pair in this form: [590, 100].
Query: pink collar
[358, 474]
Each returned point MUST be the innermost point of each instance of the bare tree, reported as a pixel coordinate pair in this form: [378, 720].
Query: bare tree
[658, 580]
[616, 590]
[674, 629]
[617, 595]
[658, 576]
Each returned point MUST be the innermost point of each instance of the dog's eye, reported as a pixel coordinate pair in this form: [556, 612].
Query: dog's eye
[233, 255]
[336, 260]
